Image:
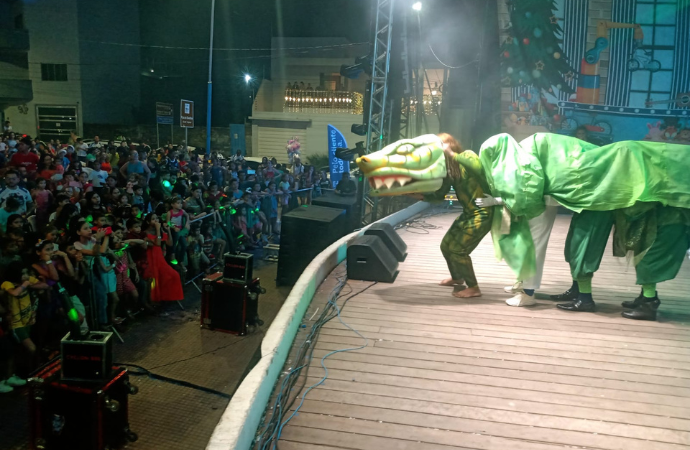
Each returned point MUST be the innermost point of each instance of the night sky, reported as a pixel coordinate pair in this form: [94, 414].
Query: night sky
[238, 24]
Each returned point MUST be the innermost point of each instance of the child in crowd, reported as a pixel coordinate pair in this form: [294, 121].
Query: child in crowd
[20, 306]
[178, 220]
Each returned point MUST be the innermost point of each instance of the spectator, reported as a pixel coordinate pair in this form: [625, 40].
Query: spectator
[165, 281]
[7, 127]
[22, 310]
[134, 166]
[43, 199]
[9, 209]
[581, 133]
[12, 189]
[178, 221]
[238, 158]
[346, 187]
[25, 157]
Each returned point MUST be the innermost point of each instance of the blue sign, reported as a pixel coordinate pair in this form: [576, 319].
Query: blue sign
[164, 120]
[337, 166]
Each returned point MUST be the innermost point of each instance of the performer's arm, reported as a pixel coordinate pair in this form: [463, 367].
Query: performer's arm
[470, 161]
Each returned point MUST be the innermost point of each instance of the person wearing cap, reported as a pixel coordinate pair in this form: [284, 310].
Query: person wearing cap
[24, 157]
[62, 158]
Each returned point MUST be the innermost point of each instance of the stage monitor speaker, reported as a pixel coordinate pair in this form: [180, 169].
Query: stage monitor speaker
[305, 232]
[368, 259]
[348, 203]
[390, 238]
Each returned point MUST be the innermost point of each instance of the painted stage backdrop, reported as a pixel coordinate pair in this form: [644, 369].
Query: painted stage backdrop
[613, 69]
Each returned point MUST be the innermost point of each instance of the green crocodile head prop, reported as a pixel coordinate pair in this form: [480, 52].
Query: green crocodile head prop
[408, 166]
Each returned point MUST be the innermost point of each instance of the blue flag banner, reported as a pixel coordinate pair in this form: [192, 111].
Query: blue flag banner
[336, 166]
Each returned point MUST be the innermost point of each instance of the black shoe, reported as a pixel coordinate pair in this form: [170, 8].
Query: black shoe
[635, 303]
[570, 294]
[645, 311]
[577, 305]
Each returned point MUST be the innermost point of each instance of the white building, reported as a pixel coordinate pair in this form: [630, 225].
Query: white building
[65, 70]
[280, 114]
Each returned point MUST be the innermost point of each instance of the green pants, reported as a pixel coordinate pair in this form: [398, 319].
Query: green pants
[665, 257]
[463, 237]
[586, 242]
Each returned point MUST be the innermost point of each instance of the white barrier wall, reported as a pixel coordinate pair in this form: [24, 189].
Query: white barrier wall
[241, 419]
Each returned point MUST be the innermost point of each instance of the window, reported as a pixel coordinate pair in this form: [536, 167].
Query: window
[54, 72]
[654, 58]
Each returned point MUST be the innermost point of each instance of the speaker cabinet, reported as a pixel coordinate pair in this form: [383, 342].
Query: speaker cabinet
[390, 238]
[305, 232]
[369, 259]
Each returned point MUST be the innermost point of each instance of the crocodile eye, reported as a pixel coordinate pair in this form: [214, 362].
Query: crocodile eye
[405, 149]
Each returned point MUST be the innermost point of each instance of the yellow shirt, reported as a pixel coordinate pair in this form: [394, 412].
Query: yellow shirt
[22, 311]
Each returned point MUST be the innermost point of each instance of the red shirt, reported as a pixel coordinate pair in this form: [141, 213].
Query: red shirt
[29, 160]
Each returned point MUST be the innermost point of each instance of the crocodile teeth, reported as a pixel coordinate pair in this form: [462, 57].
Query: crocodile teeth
[378, 183]
[389, 182]
[404, 180]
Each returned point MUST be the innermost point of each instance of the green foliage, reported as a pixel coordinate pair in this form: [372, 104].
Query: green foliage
[318, 160]
[532, 53]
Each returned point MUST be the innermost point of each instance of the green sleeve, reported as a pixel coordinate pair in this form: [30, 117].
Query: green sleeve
[470, 161]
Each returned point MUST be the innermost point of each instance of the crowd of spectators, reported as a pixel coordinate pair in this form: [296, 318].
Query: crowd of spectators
[116, 228]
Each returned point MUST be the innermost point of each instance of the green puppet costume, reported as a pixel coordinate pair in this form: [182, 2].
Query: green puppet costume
[420, 166]
[623, 177]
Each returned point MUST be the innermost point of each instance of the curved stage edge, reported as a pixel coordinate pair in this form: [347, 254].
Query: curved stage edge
[237, 427]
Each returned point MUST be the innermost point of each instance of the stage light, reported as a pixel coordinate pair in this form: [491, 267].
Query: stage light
[247, 78]
[434, 92]
[417, 6]
[360, 129]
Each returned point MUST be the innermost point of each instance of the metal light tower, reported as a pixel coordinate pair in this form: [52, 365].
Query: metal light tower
[379, 109]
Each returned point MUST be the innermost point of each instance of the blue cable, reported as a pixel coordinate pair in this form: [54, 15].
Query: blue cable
[335, 292]
[321, 381]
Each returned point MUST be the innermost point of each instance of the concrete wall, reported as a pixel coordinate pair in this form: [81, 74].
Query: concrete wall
[313, 132]
[53, 32]
[110, 73]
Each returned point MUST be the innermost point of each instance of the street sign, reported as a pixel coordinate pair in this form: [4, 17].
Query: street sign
[186, 114]
[164, 109]
[164, 116]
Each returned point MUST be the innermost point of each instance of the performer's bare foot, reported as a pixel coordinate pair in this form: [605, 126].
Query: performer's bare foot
[468, 293]
[451, 282]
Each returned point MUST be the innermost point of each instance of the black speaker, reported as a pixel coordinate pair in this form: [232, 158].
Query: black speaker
[390, 238]
[238, 267]
[304, 233]
[349, 204]
[369, 259]
[88, 358]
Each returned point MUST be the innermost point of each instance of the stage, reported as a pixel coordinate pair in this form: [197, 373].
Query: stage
[439, 372]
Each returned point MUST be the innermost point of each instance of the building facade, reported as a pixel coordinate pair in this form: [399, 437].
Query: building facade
[63, 64]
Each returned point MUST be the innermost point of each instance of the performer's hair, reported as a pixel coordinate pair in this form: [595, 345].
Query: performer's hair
[452, 166]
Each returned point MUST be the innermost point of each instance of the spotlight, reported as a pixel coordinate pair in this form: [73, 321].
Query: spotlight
[347, 154]
[417, 6]
[434, 92]
[247, 78]
[360, 129]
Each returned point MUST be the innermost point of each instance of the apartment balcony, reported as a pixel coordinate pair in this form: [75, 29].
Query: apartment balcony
[323, 102]
[15, 92]
[14, 40]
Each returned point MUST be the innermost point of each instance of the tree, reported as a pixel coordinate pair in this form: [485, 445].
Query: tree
[532, 53]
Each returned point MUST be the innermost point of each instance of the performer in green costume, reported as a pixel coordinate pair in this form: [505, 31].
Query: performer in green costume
[462, 171]
[580, 176]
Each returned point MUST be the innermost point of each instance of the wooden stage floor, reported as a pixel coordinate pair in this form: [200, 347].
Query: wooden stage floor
[442, 373]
